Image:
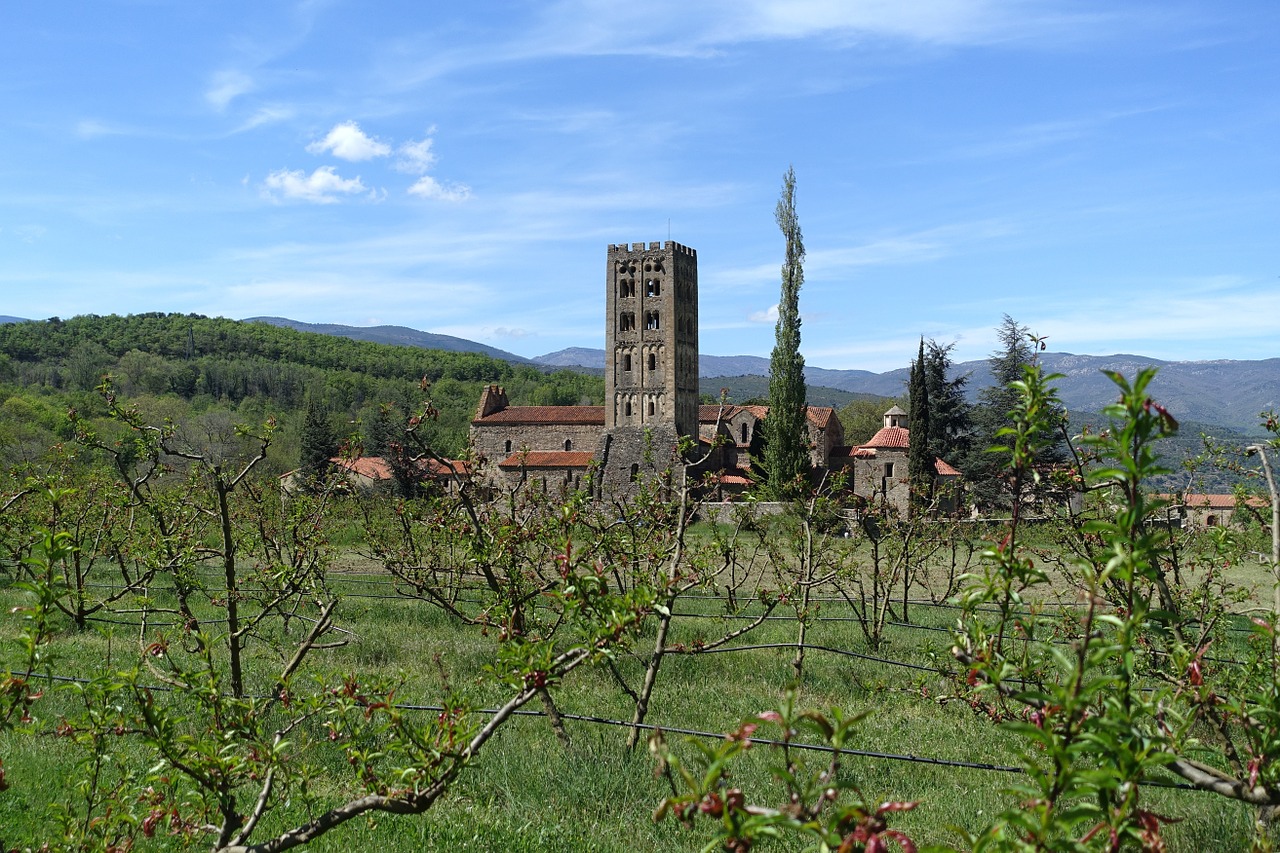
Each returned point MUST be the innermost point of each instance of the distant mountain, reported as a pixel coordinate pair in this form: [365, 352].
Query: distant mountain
[1226, 393]
[6, 319]
[401, 335]
[1223, 392]
[573, 357]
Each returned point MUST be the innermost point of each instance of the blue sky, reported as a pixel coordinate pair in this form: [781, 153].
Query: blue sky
[1107, 173]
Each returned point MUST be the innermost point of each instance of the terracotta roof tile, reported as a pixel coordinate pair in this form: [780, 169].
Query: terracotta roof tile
[373, 467]
[707, 413]
[852, 452]
[821, 416]
[945, 470]
[377, 468]
[585, 415]
[890, 437]
[1197, 501]
[548, 459]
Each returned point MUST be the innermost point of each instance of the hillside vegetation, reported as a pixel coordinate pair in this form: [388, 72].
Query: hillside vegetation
[184, 367]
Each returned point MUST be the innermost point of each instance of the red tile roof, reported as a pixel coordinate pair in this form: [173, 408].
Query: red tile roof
[373, 467]
[548, 459]
[821, 416]
[890, 437]
[584, 415]
[1214, 501]
[377, 468]
[852, 452]
[945, 470]
[707, 412]
[436, 468]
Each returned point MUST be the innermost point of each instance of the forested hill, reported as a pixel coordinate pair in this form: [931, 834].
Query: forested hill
[264, 369]
[190, 339]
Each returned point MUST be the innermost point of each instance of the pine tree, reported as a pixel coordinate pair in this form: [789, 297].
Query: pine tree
[920, 470]
[786, 454]
[318, 441]
[983, 475]
[950, 413]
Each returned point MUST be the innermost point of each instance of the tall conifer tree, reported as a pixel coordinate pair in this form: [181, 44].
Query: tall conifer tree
[319, 443]
[786, 453]
[920, 471]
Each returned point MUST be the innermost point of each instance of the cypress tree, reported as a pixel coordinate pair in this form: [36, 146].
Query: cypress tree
[786, 454]
[920, 470]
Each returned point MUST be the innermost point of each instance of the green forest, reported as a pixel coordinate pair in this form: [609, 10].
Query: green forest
[191, 369]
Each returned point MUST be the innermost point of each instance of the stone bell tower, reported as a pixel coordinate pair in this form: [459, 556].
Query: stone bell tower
[651, 340]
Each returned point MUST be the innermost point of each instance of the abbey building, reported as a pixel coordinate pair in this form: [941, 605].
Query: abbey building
[652, 400]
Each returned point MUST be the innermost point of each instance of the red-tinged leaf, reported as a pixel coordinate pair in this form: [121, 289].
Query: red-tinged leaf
[907, 845]
[1263, 624]
[896, 806]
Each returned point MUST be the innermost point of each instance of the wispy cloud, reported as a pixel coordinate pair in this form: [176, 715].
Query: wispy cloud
[266, 115]
[226, 86]
[92, 129]
[323, 186]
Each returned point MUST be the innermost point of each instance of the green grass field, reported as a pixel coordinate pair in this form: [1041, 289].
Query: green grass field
[528, 792]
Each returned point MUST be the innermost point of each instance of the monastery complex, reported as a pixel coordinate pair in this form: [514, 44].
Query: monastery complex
[651, 401]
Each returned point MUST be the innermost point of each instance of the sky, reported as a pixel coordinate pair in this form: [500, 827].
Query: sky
[1106, 173]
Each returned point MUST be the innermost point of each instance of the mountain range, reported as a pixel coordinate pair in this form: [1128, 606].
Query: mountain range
[1222, 392]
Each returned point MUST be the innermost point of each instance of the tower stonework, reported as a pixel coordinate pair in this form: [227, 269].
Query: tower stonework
[651, 377]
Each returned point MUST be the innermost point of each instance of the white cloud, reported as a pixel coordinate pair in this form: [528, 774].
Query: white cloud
[226, 87]
[92, 128]
[416, 158]
[348, 142]
[266, 115]
[769, 315]
[429, 187]
[323, 186]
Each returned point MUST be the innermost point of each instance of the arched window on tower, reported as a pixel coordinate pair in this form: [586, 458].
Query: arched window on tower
[651, 320]
[626, 361]
[568, 444]
[626, 408]
[652, 287]
[506, 445]
[651, 408]
[653, 361]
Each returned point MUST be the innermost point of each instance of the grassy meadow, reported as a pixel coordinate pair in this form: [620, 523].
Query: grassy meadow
[529, 792]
